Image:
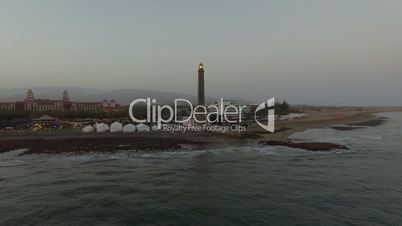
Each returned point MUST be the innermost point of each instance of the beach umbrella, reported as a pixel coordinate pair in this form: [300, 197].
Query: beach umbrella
[129, 128]
[116, 127]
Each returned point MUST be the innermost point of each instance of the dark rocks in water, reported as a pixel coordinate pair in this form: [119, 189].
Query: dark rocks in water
[373, 122]
[352, 126]
[94, 144]
[309, 146]
[345, 128]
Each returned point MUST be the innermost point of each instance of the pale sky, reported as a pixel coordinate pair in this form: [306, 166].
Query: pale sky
[338, 52]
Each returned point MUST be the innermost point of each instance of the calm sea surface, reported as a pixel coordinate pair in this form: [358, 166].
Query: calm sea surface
[236, 185]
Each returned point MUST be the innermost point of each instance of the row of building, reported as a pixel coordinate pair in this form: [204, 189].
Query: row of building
[65, 104]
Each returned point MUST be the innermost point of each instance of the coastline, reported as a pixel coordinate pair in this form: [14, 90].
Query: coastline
[57, 142]
[109, 142]
[325, 119]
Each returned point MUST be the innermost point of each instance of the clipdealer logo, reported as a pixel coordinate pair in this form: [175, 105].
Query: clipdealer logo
[269, 104]
[208, 116]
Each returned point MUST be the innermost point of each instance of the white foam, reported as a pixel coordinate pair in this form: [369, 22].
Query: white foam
[371, 137]
[10, 163]
[12, 154]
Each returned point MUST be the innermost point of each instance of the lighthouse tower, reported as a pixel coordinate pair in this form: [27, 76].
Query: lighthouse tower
[201, 88]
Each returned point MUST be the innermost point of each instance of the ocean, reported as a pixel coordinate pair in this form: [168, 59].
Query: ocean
[239, 184]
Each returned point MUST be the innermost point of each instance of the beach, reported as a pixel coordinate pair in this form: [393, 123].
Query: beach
[327, 116]
[57, 142]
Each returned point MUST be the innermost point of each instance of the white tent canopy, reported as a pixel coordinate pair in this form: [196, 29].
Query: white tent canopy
[116, 127]
[101, 127]
[88, 129]
[129, 128]
[142, 128]
[156, 127]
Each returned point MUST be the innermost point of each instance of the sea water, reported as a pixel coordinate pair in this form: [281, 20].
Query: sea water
[242, 184]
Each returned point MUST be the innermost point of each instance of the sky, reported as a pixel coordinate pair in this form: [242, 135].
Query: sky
[308, 52]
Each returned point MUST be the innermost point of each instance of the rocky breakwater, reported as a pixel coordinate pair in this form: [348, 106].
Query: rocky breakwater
[309, 146]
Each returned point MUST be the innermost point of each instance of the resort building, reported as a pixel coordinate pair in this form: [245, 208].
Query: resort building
[65, 104]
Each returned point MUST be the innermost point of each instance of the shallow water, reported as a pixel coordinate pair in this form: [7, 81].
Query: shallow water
[236, 185]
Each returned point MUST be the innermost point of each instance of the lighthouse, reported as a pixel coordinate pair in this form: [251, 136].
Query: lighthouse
[201, 88]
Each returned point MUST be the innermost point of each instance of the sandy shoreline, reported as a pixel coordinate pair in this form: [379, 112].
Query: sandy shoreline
[149, 141]
[325, 118]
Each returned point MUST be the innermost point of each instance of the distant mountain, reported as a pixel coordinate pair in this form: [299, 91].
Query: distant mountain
[122, 96]
[126, 96]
